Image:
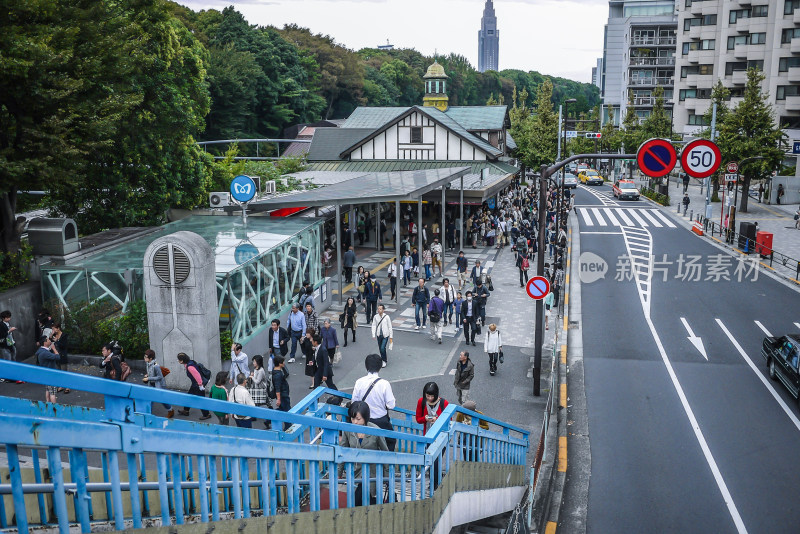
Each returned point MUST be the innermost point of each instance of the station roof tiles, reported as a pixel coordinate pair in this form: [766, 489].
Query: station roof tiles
[479, 117]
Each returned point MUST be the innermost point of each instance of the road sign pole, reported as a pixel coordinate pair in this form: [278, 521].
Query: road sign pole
[538, 340]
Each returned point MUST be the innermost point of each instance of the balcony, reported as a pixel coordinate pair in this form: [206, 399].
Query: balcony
[693, 56]
[795, 47]
[739, 77]
[740, 51]
[654, 41]
[652, 61]
[794, 74]
[743, 25]
[796, 16]
[696, 8]
[651, 82]
[649, 101]
[695, 31]
[793, 103]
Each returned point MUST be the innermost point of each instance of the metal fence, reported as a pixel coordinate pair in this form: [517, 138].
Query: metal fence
[750, 246]
[124, 466]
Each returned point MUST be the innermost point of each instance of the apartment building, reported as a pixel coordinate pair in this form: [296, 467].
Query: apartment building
[720, 40]
[639, 50]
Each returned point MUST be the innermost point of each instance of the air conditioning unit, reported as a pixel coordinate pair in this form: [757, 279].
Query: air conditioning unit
[269, 187]
[219, 199]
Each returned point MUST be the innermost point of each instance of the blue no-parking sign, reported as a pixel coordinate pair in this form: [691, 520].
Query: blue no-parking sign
[243, 189]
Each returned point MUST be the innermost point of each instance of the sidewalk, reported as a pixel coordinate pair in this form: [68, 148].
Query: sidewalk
[776, 219]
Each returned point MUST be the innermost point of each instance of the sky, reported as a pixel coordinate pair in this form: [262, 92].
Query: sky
[554, 37]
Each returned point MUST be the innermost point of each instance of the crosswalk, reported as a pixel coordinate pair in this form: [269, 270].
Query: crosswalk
[617, 216]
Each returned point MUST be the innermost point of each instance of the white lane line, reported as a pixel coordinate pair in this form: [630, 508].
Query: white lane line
[761, 326]
[664, 218]
[598, 216]
[761, 377]
[652, 219]
[601, 233]
[797, 325]
[639, 219]
[624, 218]
[586, 218]
[695, 340]
[723, 488]
[610, 214]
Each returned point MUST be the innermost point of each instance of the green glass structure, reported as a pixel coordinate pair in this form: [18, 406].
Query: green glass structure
[259, 267]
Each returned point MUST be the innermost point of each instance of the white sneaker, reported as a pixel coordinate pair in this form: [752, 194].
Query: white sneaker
[290, 360]
[384, 364]
[416, 328]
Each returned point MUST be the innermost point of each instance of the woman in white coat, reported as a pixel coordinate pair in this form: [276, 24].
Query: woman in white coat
[493, 346]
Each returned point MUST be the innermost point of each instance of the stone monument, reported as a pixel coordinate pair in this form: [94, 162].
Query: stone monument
[182, 313]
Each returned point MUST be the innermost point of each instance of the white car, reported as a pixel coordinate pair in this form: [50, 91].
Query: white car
[570, 180]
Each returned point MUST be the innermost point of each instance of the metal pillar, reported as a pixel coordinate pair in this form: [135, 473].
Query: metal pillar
[353, 223]
[419, 236]
[397, 245]
[539, 340]
[339, 251]
[442, 240]
[462, 229]
[378, 226]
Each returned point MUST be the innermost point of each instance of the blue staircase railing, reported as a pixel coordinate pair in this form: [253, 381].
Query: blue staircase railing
[123, 465]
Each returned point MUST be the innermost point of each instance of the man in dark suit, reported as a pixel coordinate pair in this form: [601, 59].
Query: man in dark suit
[469, 316]
[373, 295]
[323, 361]
[278, 340]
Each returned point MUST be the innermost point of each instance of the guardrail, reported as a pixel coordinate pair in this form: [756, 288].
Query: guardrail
[731, 236]
[184, 471]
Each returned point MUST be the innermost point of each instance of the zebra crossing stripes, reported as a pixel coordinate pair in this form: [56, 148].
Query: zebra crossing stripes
[614, 216]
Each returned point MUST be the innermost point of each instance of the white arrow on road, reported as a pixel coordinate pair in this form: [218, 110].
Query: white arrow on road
[696, 341]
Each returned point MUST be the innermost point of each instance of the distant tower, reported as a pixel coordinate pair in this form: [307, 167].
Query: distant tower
[435, 87]
[488, 39]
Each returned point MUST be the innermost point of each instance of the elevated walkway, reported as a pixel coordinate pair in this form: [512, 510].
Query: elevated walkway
[69, 468]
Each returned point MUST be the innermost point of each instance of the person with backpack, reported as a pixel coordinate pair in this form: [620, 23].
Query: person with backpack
[420, 299]
[155, 377]
[112, 362]
[523, 263]
[435, 313]
[280, 387]
[199, 377]
[377, 393]
[239, 395]
[493, 347]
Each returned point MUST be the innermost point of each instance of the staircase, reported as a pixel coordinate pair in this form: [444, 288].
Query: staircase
[69, 468]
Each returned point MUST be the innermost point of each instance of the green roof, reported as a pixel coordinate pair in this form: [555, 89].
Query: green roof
[510, 143]
[373, 117]
[479, 117]
[328, 143]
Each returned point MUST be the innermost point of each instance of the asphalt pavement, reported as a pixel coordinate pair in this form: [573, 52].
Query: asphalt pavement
[685, 430]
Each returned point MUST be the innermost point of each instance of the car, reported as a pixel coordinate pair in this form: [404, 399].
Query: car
[626, 189]
[782, 355]
[580, 167]
[591, 177]
[572, 168]
[570, 180]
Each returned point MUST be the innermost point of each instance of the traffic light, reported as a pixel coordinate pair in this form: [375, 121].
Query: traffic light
[593, 135]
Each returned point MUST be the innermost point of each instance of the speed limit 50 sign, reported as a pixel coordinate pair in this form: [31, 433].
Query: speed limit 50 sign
[701, 158]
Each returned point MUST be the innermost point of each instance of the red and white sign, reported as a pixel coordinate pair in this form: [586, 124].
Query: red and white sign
[732, 167]
[701, 158]
[538, 287]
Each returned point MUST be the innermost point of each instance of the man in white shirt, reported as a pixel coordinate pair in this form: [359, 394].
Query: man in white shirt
[377, 393]
[436, 256]
[240, 395]
[382, 331]
[239, 363]
[392, 273]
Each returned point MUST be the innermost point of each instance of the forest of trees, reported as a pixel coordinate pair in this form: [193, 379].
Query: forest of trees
[101, 103]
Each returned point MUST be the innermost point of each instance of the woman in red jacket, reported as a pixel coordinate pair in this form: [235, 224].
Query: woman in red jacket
[429, 407]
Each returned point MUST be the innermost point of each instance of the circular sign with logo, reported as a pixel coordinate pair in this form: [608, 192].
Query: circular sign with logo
[538, 287]
[701, 158]
[656, 157]
[244, 253]
[243, 189]
[732, 167]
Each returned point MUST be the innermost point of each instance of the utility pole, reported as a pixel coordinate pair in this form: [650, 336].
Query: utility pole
[713, 137]
[539, 339]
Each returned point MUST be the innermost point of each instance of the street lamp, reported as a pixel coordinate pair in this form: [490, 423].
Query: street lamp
[560, 196]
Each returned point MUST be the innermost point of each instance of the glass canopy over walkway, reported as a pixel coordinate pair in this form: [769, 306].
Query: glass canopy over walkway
[256, 266]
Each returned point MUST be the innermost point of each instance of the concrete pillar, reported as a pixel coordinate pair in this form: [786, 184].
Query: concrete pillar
[182, 313]
[397, 245]
[339, 250]
[419, 236]
[442, 240]
[462, 230]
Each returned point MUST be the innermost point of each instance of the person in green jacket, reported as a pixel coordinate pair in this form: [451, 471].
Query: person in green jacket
[219, 392]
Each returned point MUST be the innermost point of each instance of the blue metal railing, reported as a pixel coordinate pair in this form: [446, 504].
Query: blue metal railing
[124, 465]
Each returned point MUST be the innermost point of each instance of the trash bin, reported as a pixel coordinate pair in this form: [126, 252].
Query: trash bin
[53, 237]
[747, 237]
[764, 243]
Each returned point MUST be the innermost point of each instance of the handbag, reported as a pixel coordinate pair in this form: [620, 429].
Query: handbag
[362, 288]
[337, 356]
[258, 394]
[164, 371]
[501, 356]
[126, 372]
[341, 319]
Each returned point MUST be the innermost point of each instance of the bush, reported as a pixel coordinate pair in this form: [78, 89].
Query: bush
[225, 342]
[14, 266]
[654, 195]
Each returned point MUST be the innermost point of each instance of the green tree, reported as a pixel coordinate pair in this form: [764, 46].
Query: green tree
[720, 95]
[750, 130]
[631, 131]
[658, 124]
[544, 128]
[611, 141]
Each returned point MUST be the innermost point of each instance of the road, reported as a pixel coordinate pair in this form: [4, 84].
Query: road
[684, 435]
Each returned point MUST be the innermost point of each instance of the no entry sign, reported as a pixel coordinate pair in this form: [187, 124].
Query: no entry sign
[656, 157]
[538, 287]
[701, 158]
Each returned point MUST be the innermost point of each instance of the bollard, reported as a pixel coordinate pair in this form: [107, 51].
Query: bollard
[679, 208]
[691, 215]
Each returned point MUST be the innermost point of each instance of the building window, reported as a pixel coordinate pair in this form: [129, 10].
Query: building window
[416, 135]
[705, 44]
[786, 63]
[696, 120]
[788, 121]
[759, 11]
[788, 34]
[789, 6]
[736, 66]
[787, 90]
[757, 38]
[705, 20]
[703, 70]
[490, 32]
[687, 3]
[694, 93]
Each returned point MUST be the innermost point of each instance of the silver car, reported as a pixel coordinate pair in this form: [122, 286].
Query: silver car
[570, 180]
